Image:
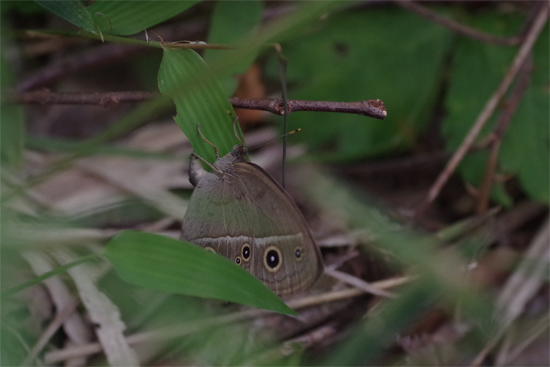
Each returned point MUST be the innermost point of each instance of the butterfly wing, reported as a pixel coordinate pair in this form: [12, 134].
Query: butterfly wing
[248, 217]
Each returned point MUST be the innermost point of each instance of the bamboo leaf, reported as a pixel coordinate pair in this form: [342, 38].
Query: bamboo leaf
[169, 265]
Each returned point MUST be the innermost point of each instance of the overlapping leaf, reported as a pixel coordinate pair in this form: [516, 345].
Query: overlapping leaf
[170, 265]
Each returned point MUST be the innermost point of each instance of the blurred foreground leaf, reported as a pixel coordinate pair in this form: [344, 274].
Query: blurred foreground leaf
[364, 344]
[170, 265]
[441, 273]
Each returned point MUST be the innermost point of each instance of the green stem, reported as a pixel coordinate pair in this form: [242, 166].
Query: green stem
[41, 33]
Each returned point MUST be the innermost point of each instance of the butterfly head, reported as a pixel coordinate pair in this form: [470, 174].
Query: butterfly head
[239, 153]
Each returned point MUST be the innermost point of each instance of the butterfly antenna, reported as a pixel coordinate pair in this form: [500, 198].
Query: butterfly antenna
[206, 140]
[208, 163]
[235, 130]
[282, 73]
[279, 137]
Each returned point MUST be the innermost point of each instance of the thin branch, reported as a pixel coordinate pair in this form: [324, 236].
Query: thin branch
[487, 111]
[107, 99]
[357, 283]
[457, 27]
[498, 133]
[371, 108]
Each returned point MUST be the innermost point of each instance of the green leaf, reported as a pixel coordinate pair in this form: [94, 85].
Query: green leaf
[525, 148]
[478, 69]
[200, 99]
[130, 17]
[72, 11]
[116, 17]
[231, 22]
[170, 265]
[388, 54]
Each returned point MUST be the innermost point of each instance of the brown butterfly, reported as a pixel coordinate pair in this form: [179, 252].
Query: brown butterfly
[239, 211]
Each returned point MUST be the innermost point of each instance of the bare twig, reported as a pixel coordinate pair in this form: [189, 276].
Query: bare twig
[358, 283]
[107, 99]
[457, 27]
[487, 111]
[371, 108]
[498, 133]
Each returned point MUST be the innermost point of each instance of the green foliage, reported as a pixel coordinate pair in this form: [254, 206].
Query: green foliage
[130, 17]
[364, 346]
[116, 17]
[169, 265]
[477, 71]
[384, 53]
[388, 54]
[72, 11]
[398, 57]
[525, 149]
[231, 22]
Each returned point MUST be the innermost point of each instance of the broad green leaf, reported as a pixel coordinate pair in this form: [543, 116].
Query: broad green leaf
[231, 22]
[169, 265]
[200, 99]
[388, 54]
[116, 17]
[477, 71]
[525, 148]
[130, 17]
[72, 11]
[25, 8]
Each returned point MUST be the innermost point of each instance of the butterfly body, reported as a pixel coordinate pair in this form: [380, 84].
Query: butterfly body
[239, 211]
